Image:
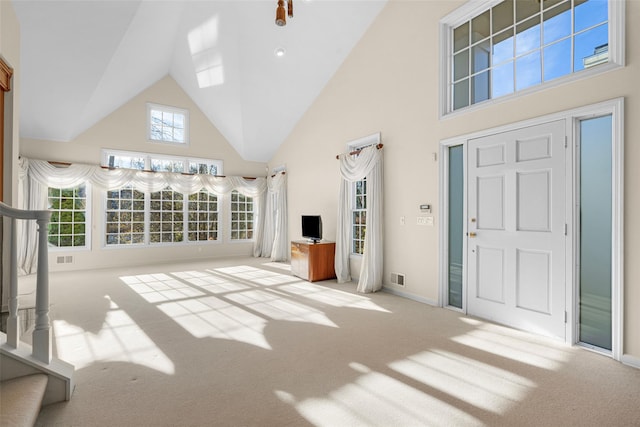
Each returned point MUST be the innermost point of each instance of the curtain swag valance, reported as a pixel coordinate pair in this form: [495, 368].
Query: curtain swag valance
[112, 179]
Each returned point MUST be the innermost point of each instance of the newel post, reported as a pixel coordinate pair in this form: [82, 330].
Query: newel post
[42, 333]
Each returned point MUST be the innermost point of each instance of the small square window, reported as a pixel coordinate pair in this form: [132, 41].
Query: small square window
[167, 124]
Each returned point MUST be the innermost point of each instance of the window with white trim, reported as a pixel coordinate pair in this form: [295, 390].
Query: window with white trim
[359, 197]
[166, 216]
[69, 224]
[241, 216]
[167, 124]
[203, 216]
[359, 216]
[134, 217]
[509, 46]
[125, 217]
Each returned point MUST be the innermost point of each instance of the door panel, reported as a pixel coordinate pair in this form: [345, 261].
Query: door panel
[534, 201]
[490, 280]
[490, 203]
[516, 224]
[533, 281]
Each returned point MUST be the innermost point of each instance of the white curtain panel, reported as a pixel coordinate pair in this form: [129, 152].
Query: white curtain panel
[264, 228]
[274, 242]
[36, 176]
[278, 187]
[368, 163]
[32, 195]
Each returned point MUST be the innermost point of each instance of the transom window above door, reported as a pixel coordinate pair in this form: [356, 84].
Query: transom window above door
[506, 47]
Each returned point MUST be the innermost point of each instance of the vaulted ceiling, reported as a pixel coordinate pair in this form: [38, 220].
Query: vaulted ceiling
[83, 59]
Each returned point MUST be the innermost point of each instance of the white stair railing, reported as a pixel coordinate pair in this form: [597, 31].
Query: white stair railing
[41, 343]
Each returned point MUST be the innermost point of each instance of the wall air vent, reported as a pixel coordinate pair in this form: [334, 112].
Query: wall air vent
[397, 279]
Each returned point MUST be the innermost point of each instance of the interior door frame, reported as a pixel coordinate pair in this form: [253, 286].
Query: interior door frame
[5, 86]
[572, 117]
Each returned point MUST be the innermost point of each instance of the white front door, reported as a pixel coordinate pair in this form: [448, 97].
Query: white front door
[516, 228]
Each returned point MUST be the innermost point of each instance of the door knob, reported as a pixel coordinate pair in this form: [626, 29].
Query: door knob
[472, 234]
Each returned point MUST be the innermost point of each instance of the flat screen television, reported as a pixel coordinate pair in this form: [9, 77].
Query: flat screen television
[312, 227]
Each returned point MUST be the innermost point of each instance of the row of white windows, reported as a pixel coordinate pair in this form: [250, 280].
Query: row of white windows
[133, 217]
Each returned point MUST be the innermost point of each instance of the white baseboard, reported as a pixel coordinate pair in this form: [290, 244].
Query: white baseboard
[630, 361]
[410, 296]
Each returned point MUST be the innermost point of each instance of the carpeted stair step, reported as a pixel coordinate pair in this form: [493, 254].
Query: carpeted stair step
[21, 399]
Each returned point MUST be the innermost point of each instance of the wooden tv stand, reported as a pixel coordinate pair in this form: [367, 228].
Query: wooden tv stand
[313, 261]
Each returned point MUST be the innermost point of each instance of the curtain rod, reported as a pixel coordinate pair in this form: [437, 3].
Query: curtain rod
[67, 164]
[378, 146]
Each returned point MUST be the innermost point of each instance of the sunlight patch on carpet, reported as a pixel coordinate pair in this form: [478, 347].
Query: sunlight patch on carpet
[332, 297]
[209, 282]
[476, 383]
[274, 306]
[376, 399]
[257, 275]
[513, 345]
[237, 303]
[160, 287]
[119, 340]
[215, 318]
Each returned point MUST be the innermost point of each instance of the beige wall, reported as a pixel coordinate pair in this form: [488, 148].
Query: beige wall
[390, 83]
[125, 129]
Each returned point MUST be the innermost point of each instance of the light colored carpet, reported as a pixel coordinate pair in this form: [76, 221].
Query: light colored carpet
[20, 400]
[240, 342]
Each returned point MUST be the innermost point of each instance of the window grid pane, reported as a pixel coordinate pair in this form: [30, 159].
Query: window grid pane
[125, 217]
[166, 218]
[241, 216]
[126, 162]
[536, 37]
[202, 217]
[203, 167]
[166, 165]
[67, 227]
[359, 217]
